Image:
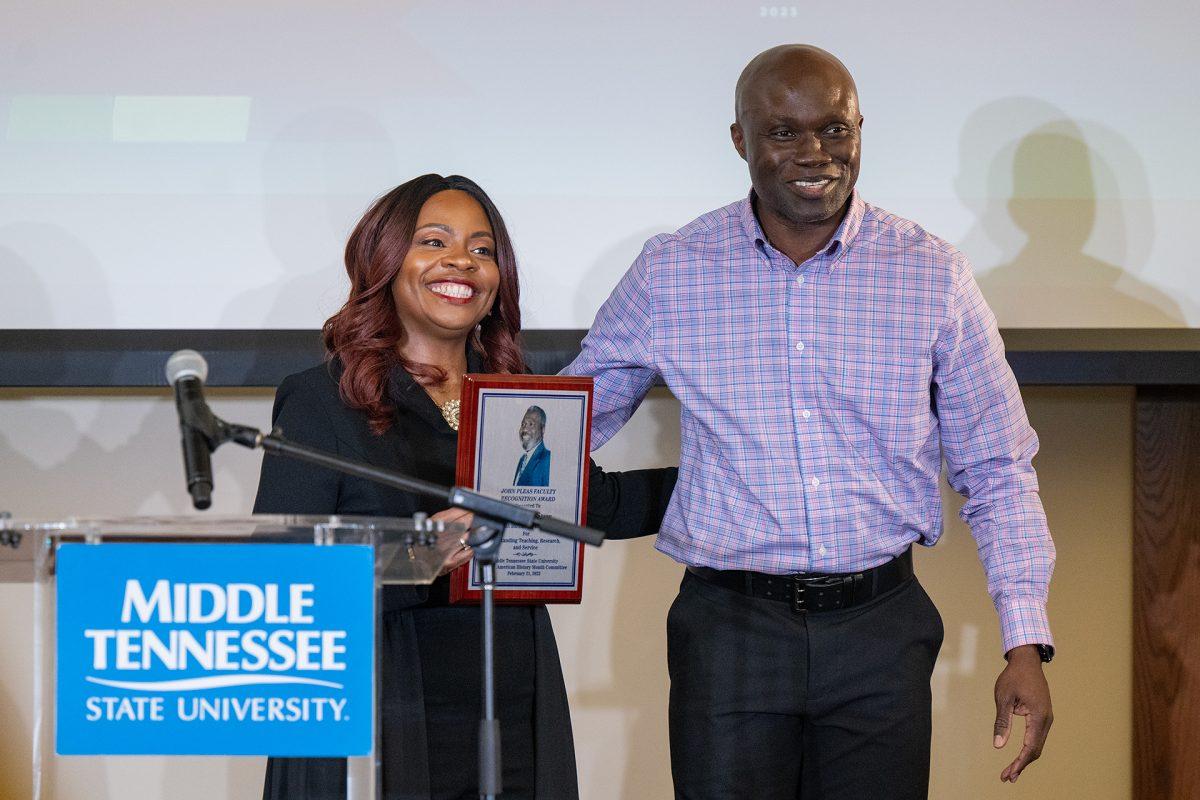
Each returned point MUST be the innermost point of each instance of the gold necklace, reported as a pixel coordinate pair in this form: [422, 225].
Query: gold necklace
[450, 410]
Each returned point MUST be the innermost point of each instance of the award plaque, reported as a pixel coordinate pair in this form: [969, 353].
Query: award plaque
[525, 439]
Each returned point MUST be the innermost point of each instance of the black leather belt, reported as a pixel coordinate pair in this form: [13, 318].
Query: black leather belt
[814, 591]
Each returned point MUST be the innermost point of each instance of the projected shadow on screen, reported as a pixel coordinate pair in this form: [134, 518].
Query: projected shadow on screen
[1065, 221]
[319, 174]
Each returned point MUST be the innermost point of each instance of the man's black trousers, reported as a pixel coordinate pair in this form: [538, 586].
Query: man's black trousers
[770, 704]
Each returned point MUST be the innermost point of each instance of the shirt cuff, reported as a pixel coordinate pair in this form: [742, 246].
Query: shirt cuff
[1023, 620]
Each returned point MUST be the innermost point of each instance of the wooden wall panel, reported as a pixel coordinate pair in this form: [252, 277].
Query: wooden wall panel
[1166, 595]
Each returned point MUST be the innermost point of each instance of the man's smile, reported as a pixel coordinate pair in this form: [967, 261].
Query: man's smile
[812, 187]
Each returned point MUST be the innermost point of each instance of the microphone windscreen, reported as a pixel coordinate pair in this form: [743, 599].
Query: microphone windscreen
[186, 364]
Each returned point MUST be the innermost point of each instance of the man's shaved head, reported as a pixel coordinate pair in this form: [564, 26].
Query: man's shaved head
[792, 60]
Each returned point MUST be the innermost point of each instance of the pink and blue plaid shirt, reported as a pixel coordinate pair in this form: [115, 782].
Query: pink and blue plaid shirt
[819, 400]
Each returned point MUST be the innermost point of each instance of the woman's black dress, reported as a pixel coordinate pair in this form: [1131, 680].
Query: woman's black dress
[431, 701]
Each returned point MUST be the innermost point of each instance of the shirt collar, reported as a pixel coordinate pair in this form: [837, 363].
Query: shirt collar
[844, 236]
[835, 248]
[749, 221]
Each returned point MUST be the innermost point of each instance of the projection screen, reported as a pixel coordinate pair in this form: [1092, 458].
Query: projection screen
[168, 165]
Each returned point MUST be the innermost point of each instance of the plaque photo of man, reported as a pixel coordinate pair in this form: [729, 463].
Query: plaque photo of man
[533, 466]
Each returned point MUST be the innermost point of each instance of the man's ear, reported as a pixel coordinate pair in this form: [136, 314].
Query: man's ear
[739, 139]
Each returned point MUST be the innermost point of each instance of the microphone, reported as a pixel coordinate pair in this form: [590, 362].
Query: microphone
[186, 371]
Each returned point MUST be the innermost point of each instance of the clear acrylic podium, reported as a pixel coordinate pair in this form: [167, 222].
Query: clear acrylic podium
[406, 551]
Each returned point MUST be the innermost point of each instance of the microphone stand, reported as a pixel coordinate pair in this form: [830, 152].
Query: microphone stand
[490, 535]
[492, 518]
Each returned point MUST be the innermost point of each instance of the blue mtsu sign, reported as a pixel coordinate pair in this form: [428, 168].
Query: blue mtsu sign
[215, 649]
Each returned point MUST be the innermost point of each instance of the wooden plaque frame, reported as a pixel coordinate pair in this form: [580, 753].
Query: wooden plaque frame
[506, 396]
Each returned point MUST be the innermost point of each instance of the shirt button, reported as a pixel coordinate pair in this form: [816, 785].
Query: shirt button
[799, 345]
[815, 482]
[799, 280]
[821, 549]
[806, 413]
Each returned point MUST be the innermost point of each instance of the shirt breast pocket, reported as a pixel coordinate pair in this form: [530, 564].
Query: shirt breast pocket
[881, 397]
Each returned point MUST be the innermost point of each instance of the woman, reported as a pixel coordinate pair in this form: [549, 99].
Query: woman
[433, 295]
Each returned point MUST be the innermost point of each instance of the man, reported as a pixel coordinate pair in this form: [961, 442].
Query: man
[533, 467]
[826, 355]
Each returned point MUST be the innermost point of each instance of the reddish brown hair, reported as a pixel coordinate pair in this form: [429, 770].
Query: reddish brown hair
[365, 334]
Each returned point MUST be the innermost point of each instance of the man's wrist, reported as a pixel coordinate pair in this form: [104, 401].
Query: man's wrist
[1038, 653]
